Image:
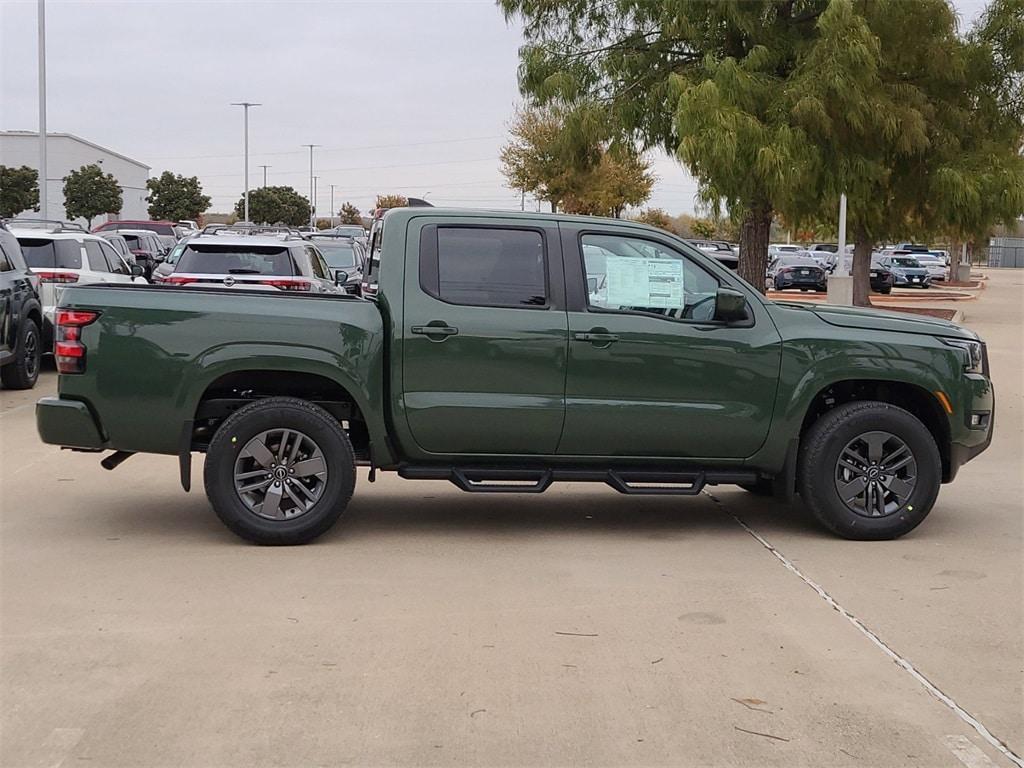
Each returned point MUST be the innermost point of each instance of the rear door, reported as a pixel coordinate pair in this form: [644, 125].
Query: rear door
[651, 374]
[484, 336]
[7, 285]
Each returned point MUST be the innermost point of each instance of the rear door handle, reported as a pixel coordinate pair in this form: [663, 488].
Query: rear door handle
[434, 330]
[596, 338]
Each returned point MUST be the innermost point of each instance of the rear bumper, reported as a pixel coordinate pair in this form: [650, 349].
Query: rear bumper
[69, 424]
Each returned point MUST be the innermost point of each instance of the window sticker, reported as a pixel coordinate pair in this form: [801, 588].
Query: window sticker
[654, 283]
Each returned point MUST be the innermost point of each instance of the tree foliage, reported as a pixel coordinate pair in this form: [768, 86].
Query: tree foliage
[89, 192]
[656, 217]
[173, 197]
[275, 205]
[19, 190]
[781, 105]
[350, 214]
[391, 201]
[541, 158]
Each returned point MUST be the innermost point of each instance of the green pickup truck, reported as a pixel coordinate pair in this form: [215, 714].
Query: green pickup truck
[506, 351]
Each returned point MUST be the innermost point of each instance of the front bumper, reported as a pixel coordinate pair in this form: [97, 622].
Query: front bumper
[69, 424]
[976, 397]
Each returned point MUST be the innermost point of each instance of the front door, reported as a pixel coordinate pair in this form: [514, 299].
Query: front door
[484, 338]
[651, 374]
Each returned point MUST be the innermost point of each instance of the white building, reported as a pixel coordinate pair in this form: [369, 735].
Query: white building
[66, 152]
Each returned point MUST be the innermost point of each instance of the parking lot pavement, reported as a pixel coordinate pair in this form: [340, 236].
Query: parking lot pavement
[432, 627]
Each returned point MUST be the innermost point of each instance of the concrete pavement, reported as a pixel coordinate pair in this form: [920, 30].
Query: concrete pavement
[580, 627]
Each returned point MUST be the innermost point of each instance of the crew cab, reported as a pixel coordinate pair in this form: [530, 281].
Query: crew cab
[489, 357]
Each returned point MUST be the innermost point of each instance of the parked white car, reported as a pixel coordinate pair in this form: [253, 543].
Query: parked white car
[62, 254]
[936, 267]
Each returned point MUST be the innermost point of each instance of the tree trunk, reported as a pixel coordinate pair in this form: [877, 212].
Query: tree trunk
[861, 269]
[754, 233]
[954, 259]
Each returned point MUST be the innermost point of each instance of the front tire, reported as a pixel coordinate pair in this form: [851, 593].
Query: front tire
[279, 471]
[869, 471]
[24, 371]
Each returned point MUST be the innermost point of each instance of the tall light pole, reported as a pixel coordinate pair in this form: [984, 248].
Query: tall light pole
[264, 167]
[42, 107]
[312, 205]
[332, 203]
[245, 106]
[315, 180]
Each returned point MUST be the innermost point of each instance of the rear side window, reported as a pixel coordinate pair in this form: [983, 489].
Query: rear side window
[484, 266]
[51, 254]
[236, 260]
[97, 261]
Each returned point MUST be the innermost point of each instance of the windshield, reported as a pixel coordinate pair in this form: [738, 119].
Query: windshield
[52, 254]
[236, 260]
[796, 261]
[337, 255]
[905, 261]
[350, 231]
[138, 242]
[160, 229]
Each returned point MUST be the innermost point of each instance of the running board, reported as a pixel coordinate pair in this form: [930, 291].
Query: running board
[635, 482]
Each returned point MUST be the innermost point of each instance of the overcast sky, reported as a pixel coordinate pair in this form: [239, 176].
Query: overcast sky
[409, 97]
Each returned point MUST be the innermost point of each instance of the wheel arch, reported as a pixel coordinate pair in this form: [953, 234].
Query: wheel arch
[925, 406]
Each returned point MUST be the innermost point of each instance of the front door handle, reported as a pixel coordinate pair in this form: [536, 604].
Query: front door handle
[596, 337]
[435, 329]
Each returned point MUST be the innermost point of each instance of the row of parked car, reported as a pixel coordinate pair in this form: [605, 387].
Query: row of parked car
[39, 258]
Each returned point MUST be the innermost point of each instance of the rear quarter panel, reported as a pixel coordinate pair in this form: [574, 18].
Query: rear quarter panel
[154, 351]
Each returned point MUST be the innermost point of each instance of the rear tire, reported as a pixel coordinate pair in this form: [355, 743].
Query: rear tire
[23, 372]
[884, 496]
[279, 471]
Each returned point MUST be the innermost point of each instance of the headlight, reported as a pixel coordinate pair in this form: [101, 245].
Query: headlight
[972, 353]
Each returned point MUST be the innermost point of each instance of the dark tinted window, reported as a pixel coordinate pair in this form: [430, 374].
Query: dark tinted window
[487, 267]
[6, 265]
[51, 254]
[113, 259]
[236, 260]
[339, 255]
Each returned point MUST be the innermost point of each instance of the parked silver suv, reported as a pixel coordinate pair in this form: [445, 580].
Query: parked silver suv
[252, 258]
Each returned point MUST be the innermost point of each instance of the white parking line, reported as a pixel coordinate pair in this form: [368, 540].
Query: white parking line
[902, 662]
[967, 752]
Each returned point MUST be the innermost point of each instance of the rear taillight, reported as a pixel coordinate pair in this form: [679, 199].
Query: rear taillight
[289, 284]
[176, 280]
[56, 277]
[68, 348]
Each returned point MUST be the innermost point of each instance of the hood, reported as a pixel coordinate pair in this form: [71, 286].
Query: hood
[881, 320]
[909, 270]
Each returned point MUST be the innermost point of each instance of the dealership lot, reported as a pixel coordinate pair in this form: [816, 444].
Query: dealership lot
[434, 627]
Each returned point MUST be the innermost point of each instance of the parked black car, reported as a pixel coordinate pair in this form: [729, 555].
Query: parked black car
[882, 279]
[21, 317]
[803, 272]
[342, 254]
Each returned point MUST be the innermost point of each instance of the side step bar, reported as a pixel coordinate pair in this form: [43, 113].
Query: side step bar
[637, 482]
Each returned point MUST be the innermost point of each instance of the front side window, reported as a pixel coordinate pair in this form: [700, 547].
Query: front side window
[6, 264]
[630, 274]
[114, 259]
[314, 263]
[484, 266]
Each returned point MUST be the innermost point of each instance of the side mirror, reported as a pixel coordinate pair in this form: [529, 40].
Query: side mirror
[137, 271]
[340, 277]
[730, 306]
[591, 285]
